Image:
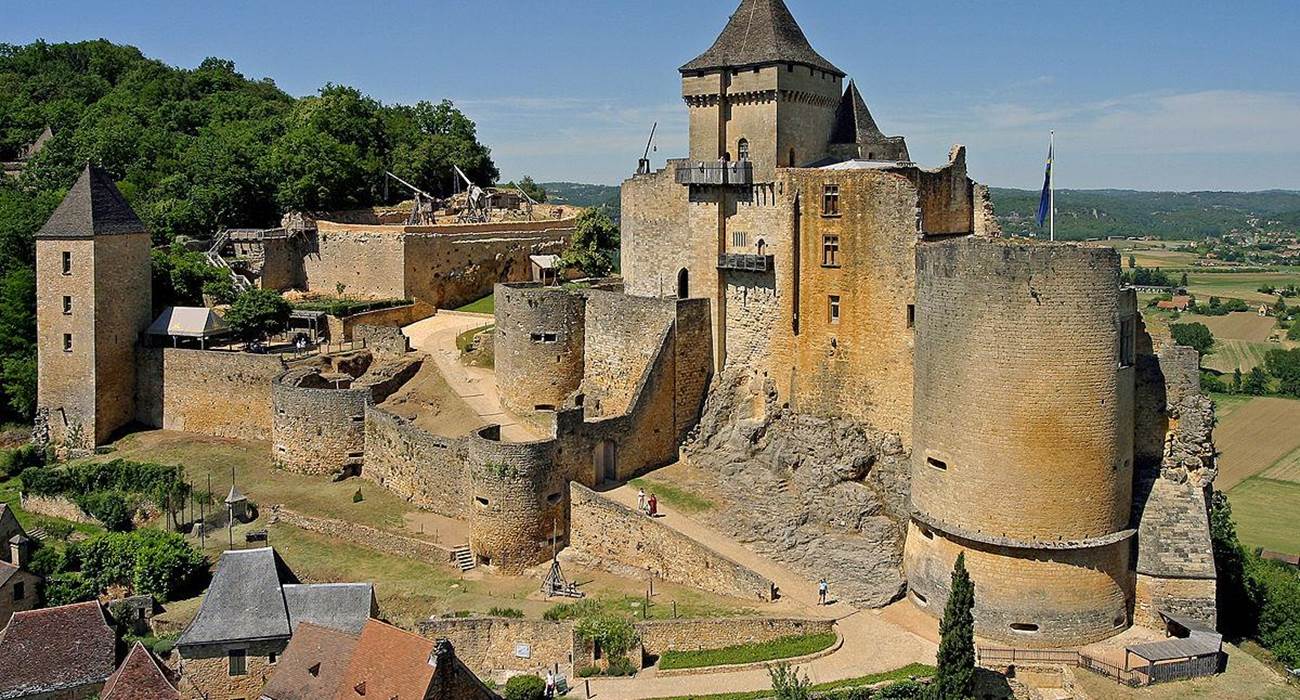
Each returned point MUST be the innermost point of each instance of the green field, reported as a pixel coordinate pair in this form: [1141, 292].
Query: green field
[1267, 512]
[675, 496]
[1239, 285]
[486, 305]
[783, 648]
[1285, 469]
[1230, 354]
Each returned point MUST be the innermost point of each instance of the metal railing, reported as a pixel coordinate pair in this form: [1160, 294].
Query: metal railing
[719, 172]
[746, 262]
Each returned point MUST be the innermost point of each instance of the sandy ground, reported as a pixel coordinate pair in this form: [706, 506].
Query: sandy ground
[1241, 325]
[1254, 436]
[429, 402]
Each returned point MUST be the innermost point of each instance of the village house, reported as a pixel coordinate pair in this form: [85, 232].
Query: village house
[67, 652]
[141, 677]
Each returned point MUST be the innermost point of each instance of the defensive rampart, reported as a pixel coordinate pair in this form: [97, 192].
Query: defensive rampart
[224, 394]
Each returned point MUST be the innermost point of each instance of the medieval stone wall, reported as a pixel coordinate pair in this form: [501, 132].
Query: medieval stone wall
[985, 218]
[1024, 597]
[451, 266]
[614, 537]
[488, 645]
[653, 232]
[282, 264]
[518, 500]
[345, 328]
[623, 335]
[207, 666]
[945, 197]
[317, 430]
[123, 309]
[66, 380]
[1187, 598]
[539, 345]
[366, 261]
[659, 636]
[1020, 428]
[810, 99]
[223, 394]
[366, 536]
[383, 340]
[693, 363]
[425, 469]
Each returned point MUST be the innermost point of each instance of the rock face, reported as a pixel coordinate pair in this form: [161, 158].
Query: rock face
[825, 496]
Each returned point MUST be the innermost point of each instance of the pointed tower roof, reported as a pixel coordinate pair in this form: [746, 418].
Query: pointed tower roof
[93, 207]
[853, 121]
[759, 32]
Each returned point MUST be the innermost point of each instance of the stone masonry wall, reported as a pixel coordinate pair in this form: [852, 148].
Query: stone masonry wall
[208, 668]
[623, 335]
[396, 316]
[450, 268]
[487, 645]
[223, 394]
[382, 340]
[318, 430]
[368, 263]
[66, 380]
[616, 538]
[653, 232]
[427, 470]
[518, 500]
[366, 536]
[658, 636]
[539, 345]
[123, 309]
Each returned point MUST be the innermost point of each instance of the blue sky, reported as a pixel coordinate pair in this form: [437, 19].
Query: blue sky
[1149, 95]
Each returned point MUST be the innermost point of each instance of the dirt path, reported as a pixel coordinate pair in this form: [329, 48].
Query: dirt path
[1255, 436]
[871, 643]
[475, 386]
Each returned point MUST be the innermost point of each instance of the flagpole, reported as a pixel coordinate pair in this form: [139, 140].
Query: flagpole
[1051, 183]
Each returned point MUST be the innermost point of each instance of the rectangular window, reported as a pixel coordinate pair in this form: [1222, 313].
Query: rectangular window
[549, 337]
[830, 251]
[911, 315]
[536, 337]
[20, 591]
[272, 659]
[1126, 341]
[238, 662]
[739, 239]
[937, 463]
[834, 309]
[830, 200]
[67, 262]
[67, 305]
[67, 342]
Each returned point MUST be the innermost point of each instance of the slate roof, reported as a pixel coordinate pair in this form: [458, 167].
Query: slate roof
[244, 601]
[387, 663]
[312, 666]
[188, 322]
[853, 121]
[340, 606]
[7, 572]
[93, 207]
[140, 677]
[760, 32]
[55, 649]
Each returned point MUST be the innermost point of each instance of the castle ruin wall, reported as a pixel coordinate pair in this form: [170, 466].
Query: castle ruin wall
[539, 345]
[209, 392]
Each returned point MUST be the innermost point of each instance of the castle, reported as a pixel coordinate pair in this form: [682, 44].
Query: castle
[1051, 438]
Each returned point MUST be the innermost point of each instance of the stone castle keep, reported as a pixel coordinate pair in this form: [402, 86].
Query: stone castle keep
[796, 282]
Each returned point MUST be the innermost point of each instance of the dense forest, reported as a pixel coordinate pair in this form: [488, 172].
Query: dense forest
[1084, 214]
[193, 151]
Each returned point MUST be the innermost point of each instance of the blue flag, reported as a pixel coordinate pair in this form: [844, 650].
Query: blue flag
[1045, 203]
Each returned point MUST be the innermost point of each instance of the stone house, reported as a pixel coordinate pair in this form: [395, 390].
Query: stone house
[248, 617]
[62, 653]
[19, 588]
[141, 677]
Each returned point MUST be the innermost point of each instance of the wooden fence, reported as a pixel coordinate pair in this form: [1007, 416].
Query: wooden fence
[1134, 678]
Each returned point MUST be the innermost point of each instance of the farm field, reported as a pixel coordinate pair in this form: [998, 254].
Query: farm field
[1242, 325]
[1239, 285]
[1254, 436]
[1267, 512]
[1259, 468]
[1231, 354]
[1285, 469]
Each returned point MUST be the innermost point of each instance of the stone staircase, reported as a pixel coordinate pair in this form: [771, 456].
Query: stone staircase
[463, 557]
[37, 534]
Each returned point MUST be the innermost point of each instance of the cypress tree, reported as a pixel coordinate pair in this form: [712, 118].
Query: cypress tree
[955, 677]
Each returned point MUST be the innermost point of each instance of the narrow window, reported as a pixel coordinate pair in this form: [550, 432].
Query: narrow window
[314, 670]
[20, 591]
[911, 315]
[67, 306]
[761, 246]
[739, 239]
[238, 662]
[536, 337]
[789, 67]
[830, 251]
[831, 200]
[553, 498]
[920, 599]
[937, 463]
[1024, 627]
[67, 262]
[792, 157]
[683, 284]
[67, 342]
[1126, 340]
[549, 337]
[481, 501]
[926, 532]
[272, 658]
[742, 148]
[834, 309]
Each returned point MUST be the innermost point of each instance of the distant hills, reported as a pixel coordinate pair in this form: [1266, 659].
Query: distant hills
[1084, 214]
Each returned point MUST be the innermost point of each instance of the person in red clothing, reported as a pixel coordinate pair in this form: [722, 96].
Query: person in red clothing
[652, 506]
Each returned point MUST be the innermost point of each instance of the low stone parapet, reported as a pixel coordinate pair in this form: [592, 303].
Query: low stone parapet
[366, 536]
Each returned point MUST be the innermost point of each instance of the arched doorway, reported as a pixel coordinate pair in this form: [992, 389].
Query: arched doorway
[683, 284]
[761, 246]
[606, 461]
[792, 157]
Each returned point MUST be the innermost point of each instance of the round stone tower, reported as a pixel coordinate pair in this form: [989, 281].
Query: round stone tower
[539, 345]
[1023, 437]
[518, 500]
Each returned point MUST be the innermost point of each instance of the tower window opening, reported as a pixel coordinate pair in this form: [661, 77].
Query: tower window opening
[918, 597]
[742, 148]
[834, 310]
[830, 200]
[67, 305]
[67, 342]
[937, 463]
[1024, 627]
[911, 315]
[739, 239]
[67, 262]
[481, 501]
[761, 246]
[1126, 340]
[553, 498]
[683, 284]
[792, 157]
[830, 251]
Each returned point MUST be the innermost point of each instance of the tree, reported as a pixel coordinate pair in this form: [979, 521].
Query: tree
[1132, 262]
[788, 684]
[532, 189]
[1285, 365]
[1293, 333]
[258, 313]
[1256, 383]
[595, 238]
[1182, 281]
[1235, 608]
[1193, 335]
[955, 676]
[1236, 381]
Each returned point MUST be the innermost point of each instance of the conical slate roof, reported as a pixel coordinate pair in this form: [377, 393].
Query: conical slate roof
[853, 121]
[93, 207]
[760, 31]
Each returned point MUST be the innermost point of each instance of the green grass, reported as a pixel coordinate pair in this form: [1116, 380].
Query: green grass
[1225, 404]
[486, 305]
[1267, 512]
[1228, 355]
[1238, 285]
[687, 605]
[783, 648]
[348, 307]
[898, 674]
[464, 339]
[675, 496]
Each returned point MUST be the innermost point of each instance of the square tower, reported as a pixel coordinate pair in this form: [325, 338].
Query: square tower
[93, 299]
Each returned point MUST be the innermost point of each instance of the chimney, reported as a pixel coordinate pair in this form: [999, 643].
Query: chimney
[18, 550]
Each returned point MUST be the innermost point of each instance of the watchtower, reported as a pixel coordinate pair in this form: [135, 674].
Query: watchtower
[93, 299]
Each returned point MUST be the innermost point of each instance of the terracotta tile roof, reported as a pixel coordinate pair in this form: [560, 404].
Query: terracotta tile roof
[55, 649]
[760, 32]
[140, 677]
[387, 664]
[312, 666]
[93, 207]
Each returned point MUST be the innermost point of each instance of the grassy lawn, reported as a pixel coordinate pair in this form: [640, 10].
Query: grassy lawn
[680, 499]
[900, 674]
[486, 305]
[485, 355]
[784, 648]
[685, 602]
[1245, 677]
[1267, 512]
[1285, 469]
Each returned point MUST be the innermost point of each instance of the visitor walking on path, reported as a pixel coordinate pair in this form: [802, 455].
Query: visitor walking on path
[550, 684]
[653, 504]
[822, 589]
[640, 500]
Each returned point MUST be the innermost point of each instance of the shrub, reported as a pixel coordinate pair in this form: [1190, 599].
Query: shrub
[615, 634]
[67, 588]
[46, 561]
[902, 690]
[108, 507]
[788, 684]
[164, 646]
[357, 497]
[154, 562]
[505, 612]
[620, 666]
[13, 462]
[586, 671]
[525, 688]
[571, 611]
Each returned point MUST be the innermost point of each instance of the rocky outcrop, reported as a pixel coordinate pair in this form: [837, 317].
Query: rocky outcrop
[825, 496]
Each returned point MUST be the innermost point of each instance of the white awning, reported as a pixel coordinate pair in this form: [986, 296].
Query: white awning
[188, 322]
